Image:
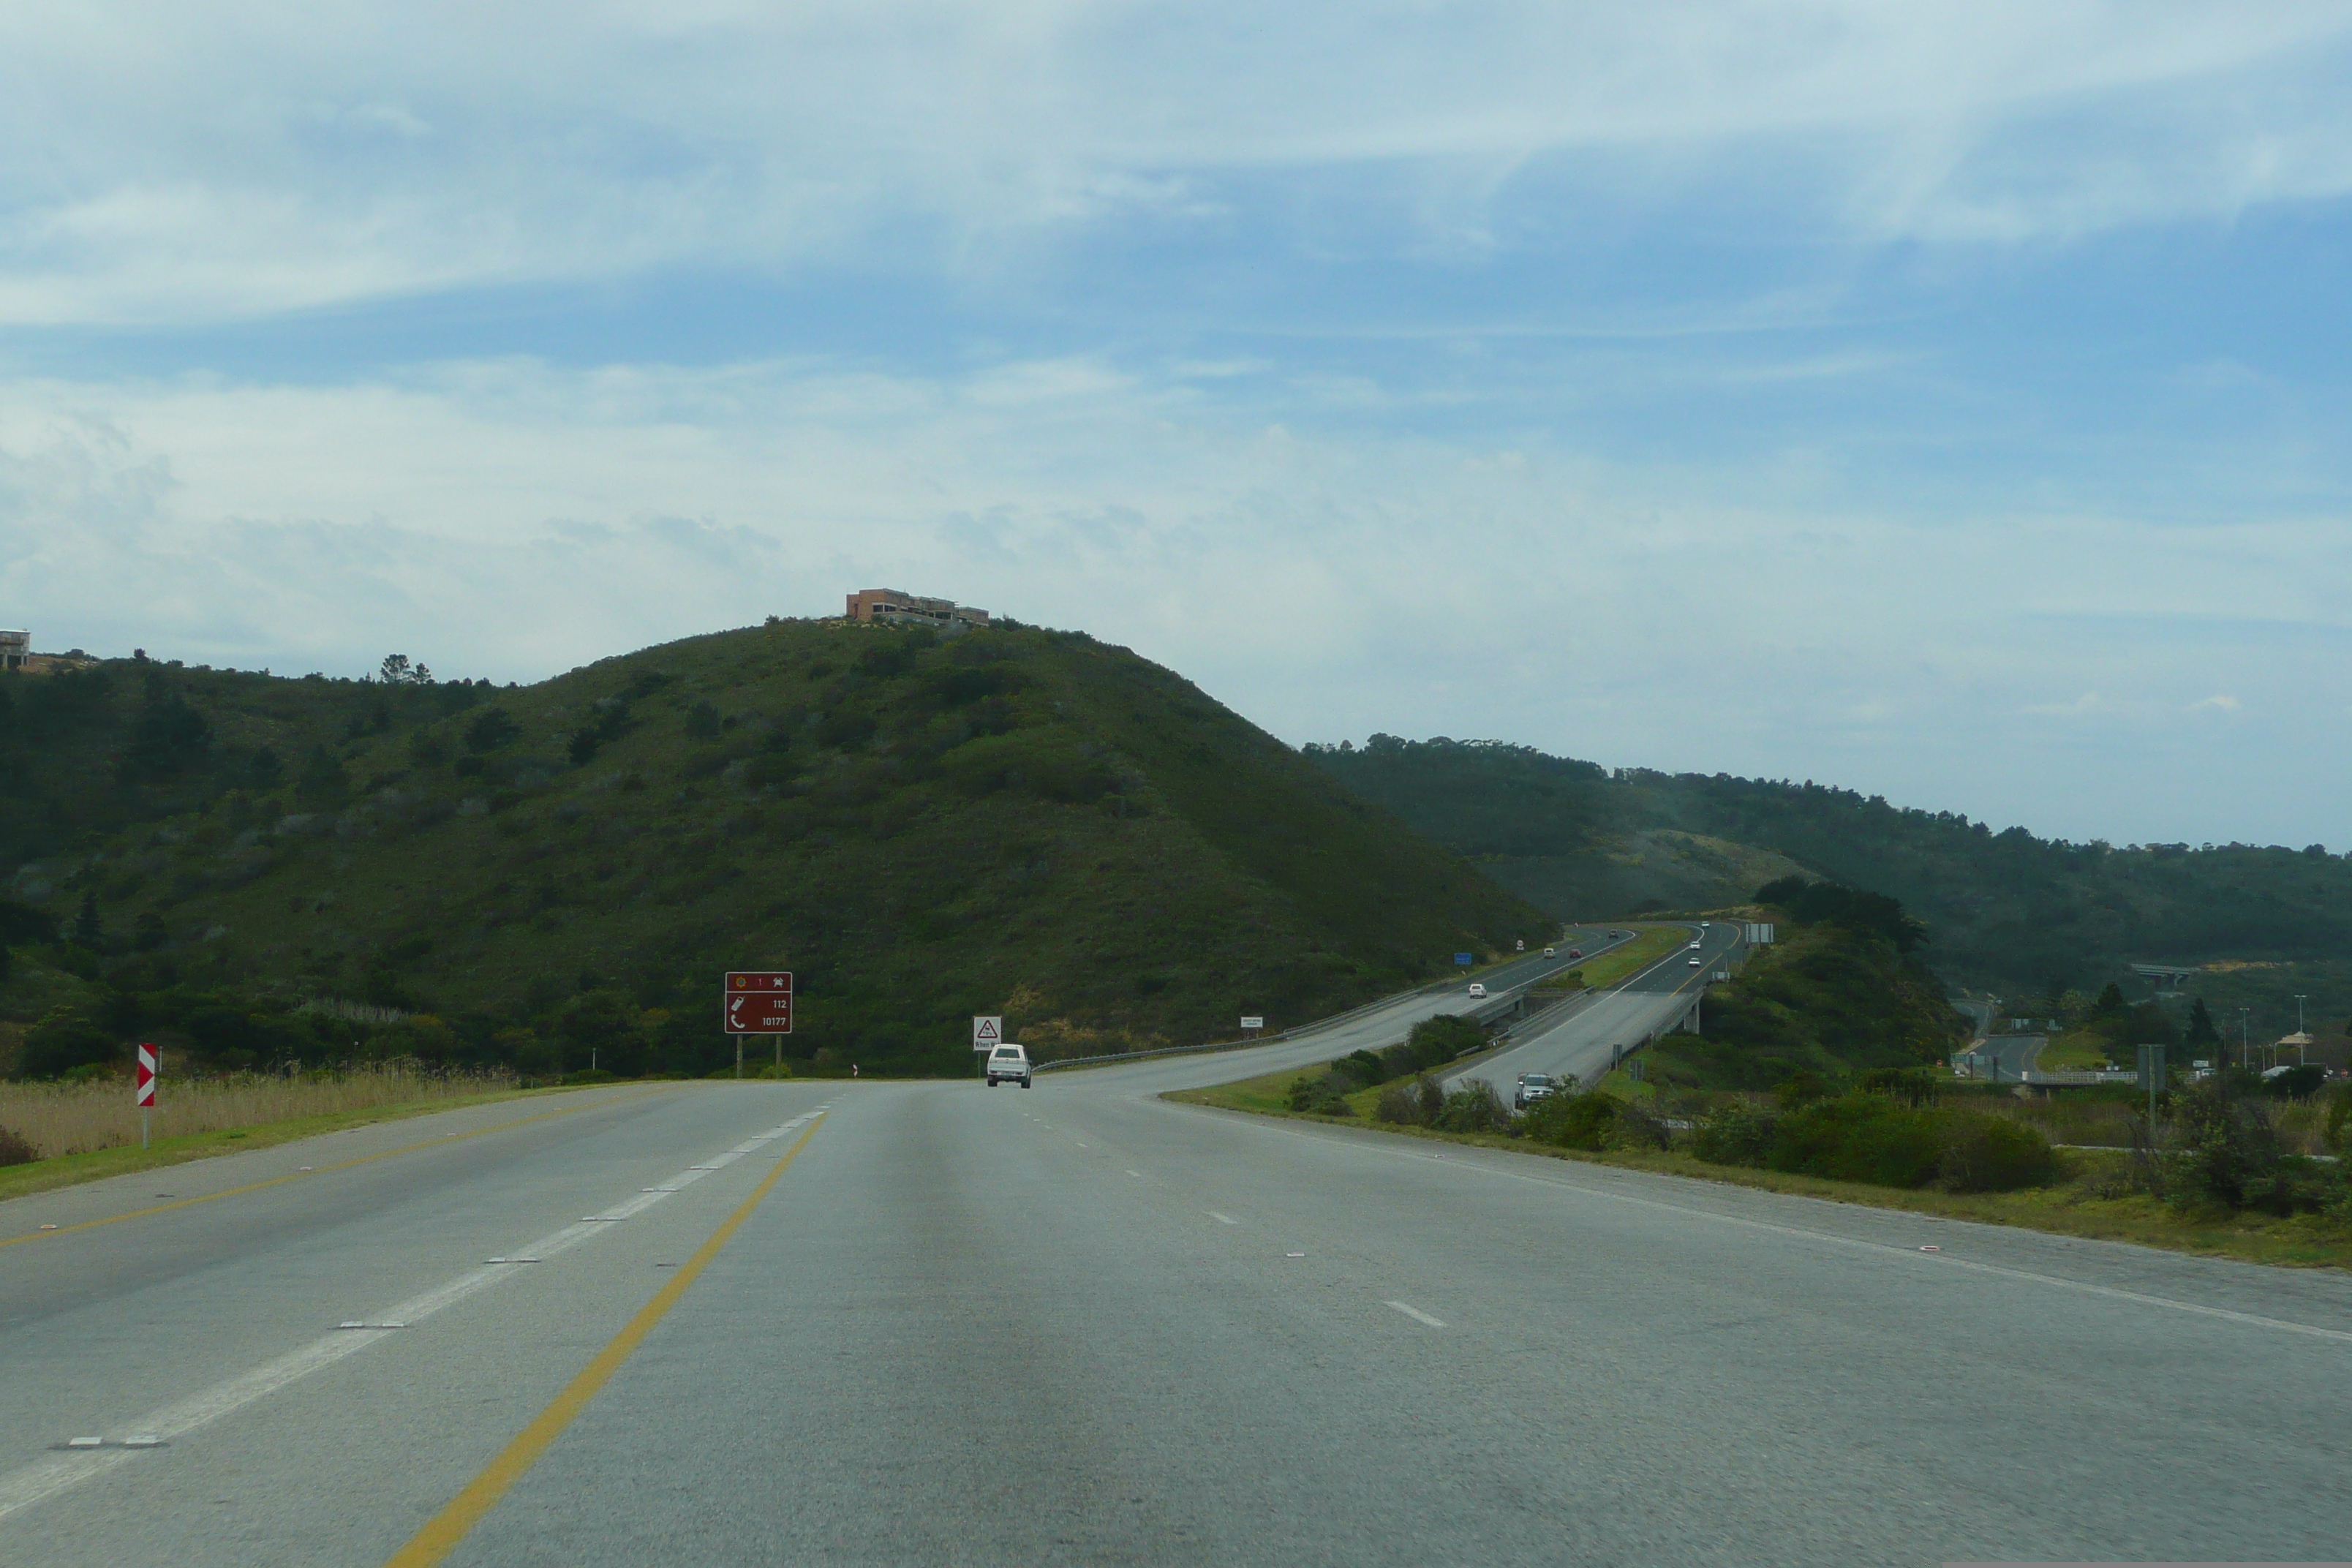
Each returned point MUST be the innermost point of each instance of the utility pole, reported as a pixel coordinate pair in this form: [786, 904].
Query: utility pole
[2245, 1039]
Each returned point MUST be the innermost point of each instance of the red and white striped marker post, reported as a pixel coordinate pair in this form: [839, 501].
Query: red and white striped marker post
[146, 1090]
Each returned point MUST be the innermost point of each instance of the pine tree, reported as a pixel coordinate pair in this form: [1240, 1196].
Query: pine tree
[2201, 1031]
[88, 930]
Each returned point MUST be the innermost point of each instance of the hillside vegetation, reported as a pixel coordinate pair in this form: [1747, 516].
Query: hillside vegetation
[258, 868]
[1840, 994]
[2030, 917]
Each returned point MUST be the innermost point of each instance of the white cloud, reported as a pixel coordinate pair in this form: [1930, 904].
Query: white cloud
[172, 163]
[508, 520]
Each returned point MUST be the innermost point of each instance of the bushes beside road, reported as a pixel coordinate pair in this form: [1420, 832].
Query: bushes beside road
[1877, 1137]
[1432, 1043]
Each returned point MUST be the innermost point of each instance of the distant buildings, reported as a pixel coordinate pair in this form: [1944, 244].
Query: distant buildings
[15, 648]
[888, 606]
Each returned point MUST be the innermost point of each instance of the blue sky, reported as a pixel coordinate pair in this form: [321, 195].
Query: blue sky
[1946, 400]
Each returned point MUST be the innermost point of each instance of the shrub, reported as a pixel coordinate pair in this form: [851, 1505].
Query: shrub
[1438, 1040]
[1801, 1088]
[2296, 1083]
[1572, 1121]
[1991, 1154]
[1411, 1103]
[1634, 1128]
[13, 1149]
[1320, 1094]
[1910, 1085]
[2226, 1151]
[2339, 1118]
[1734, 1134]
[1473, 1108]
[61, 1042]
[1858, 1137]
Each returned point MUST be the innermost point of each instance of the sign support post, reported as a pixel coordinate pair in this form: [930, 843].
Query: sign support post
[146, 1090]
[757, 1002]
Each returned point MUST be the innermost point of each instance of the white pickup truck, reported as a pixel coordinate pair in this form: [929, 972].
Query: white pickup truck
[1007, 1063]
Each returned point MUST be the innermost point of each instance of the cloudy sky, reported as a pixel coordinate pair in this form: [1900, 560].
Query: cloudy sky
[1948, 400]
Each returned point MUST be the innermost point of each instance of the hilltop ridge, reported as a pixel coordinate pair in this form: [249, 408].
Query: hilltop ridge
[922, 827]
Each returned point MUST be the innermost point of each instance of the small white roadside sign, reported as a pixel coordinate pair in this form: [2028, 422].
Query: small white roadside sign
[987, 1034]
[1253, 1022]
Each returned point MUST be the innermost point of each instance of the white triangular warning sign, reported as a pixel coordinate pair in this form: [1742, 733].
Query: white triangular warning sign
[986, 1031]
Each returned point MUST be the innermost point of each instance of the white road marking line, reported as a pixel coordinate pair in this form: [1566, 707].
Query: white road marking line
[1222, 1218]
[30, 1484]
[1137, 1175]
[1943, 1259]
[1417, 1314]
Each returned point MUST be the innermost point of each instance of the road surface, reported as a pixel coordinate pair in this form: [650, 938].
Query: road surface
[2013, 1055]
[1081, 1324]
[1589, 1037]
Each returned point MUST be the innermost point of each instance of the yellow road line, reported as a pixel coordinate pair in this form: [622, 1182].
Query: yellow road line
[443, 1142]
[442, 1534]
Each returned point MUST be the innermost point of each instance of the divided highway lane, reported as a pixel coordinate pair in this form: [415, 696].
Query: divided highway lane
[1082, 1325]
[1585, 1041]
[1389, 1021]
[123, 1327]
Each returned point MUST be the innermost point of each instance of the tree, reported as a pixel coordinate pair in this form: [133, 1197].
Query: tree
[2110, 1002]
[396, 671]
[88, 930]
[22, 922]
[63, 1041]
[167, 738]
[2201, 1031]
[323, 780]
[490, 729]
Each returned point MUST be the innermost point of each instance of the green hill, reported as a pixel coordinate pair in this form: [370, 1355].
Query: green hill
[2033, 918]
[1012, 820]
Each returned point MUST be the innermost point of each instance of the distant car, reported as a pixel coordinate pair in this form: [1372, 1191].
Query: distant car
[1533, 1086]
[1546, 952]
[1478, 990]
[1693, 944]
[1576, 953]
[1702, 925]
[1694, 963]
[1008, 1063]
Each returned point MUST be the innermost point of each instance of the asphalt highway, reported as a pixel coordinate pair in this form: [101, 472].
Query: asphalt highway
[1591, 1034]
[935, 1322]
[2013, 1055]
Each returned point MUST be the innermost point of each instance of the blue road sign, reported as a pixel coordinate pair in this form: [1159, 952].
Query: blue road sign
[1462, 959]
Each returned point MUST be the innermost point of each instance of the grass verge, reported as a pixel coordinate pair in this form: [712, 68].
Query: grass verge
[96, 1164]
[2073, 1208]
[1647, 947]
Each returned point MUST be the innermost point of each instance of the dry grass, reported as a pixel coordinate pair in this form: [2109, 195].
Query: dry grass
[58, 1119]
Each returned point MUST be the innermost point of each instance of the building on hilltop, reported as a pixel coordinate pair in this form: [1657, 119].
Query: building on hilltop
[888, 606]
[15, 648]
